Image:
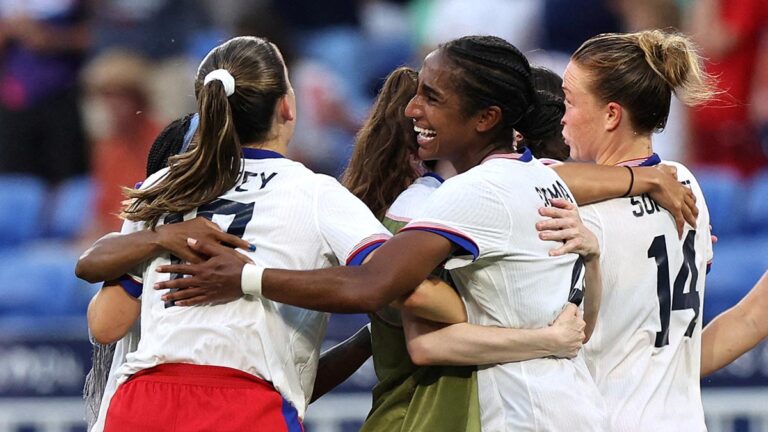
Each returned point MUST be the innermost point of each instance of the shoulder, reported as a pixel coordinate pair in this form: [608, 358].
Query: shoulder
[411, 200]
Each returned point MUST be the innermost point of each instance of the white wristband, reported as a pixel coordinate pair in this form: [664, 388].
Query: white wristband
[250, 280]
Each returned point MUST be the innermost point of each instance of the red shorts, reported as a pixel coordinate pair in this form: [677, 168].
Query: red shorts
[185, 398]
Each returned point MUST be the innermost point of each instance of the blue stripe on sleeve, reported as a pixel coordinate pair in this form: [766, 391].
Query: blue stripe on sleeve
[361, 254]
[130, 286]
[465, 244]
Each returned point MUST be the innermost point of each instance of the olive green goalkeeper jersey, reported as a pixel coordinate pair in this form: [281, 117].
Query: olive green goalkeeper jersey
[409, 397]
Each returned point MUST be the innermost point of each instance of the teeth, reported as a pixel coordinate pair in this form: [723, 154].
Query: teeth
[427, 133]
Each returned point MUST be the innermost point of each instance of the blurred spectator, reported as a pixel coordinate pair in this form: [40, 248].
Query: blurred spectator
[42, 43]
[168, 32]
[117, 85]
[722, 131]
[516, 21]
[566, 24]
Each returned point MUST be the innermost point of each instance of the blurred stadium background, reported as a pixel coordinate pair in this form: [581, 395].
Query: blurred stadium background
[127, 66]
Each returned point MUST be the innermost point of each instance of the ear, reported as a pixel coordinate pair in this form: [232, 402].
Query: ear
[489, 118]
[284, 109]
[613, 114]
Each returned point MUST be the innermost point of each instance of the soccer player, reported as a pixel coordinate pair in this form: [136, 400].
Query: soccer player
[247, 364]
[473, 93]
[645, 357]
[409, 396]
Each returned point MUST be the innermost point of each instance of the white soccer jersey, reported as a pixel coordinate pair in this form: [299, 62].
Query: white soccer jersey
[298, 220]
[645, 351]
[411, 201]
[507, 279]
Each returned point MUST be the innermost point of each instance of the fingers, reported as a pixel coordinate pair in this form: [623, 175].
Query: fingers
[235, 242]
[206, 248]
[186, 269]
[562, 204]
[194, 301]
[556, 224]
[564, 234]
[180, 283]
[555, 212]
[570, 308]
[183, 295]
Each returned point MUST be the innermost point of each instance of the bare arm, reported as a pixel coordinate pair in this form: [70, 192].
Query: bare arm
[467, 344]
[736, 330]
[566, 225]
[593, 294]
[115, 254]
[434, 300]
[111, 313]
[397, 268]
[593, 183]
[340, 362]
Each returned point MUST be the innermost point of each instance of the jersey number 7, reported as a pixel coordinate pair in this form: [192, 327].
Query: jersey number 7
[678, 299]
[241, 214]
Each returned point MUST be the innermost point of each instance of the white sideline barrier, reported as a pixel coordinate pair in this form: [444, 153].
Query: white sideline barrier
[722, 406]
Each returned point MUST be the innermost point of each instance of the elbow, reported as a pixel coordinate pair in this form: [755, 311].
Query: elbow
[103, 336]
[378, 294]
[86, 269]
[85, 272]
[420, 352]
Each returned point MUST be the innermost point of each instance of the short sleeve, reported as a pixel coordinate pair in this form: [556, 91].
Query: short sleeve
[346, 224]
[470, 215]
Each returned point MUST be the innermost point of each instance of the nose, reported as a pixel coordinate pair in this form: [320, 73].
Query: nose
[413, 109]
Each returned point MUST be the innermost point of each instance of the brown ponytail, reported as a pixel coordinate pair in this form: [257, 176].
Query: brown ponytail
[213, 166]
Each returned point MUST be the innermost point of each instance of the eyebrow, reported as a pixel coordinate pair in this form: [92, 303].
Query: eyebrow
[431, 91]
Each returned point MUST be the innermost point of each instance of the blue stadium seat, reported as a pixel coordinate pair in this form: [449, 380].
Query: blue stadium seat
[738, 264]
[756, 217]
[723, 191]
[40, 281]
[21, 202]
[71, 208]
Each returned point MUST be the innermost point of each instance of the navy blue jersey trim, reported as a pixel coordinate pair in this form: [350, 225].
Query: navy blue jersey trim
[254, 153]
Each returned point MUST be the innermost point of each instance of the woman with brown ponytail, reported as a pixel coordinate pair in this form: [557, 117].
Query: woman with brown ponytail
[249, 364]
[645, 352]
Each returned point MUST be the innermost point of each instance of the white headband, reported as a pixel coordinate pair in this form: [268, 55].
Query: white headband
[226, 79]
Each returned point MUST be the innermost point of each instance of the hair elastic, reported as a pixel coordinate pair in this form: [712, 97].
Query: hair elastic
[631, 181]
[225, 77]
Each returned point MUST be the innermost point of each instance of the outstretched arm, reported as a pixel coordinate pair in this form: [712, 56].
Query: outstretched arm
[736, 330]
[115, 254]
[593, 183]
[397, 268]
[467, 344]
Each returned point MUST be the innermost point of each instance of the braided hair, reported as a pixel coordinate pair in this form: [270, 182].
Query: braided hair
[493, 72]
[169, 143]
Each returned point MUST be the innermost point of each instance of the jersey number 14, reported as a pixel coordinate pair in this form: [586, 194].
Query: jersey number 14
[677, 299]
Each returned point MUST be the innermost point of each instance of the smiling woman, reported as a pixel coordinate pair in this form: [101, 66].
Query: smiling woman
[473, 93]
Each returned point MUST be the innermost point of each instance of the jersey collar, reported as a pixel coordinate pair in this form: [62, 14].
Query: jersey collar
[434, 176]
[525, 156]
[254, 153]
[651, 160]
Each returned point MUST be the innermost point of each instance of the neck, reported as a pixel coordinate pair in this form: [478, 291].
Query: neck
[473, 157]
[445, 169]
[625, 148]
[276, 144]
